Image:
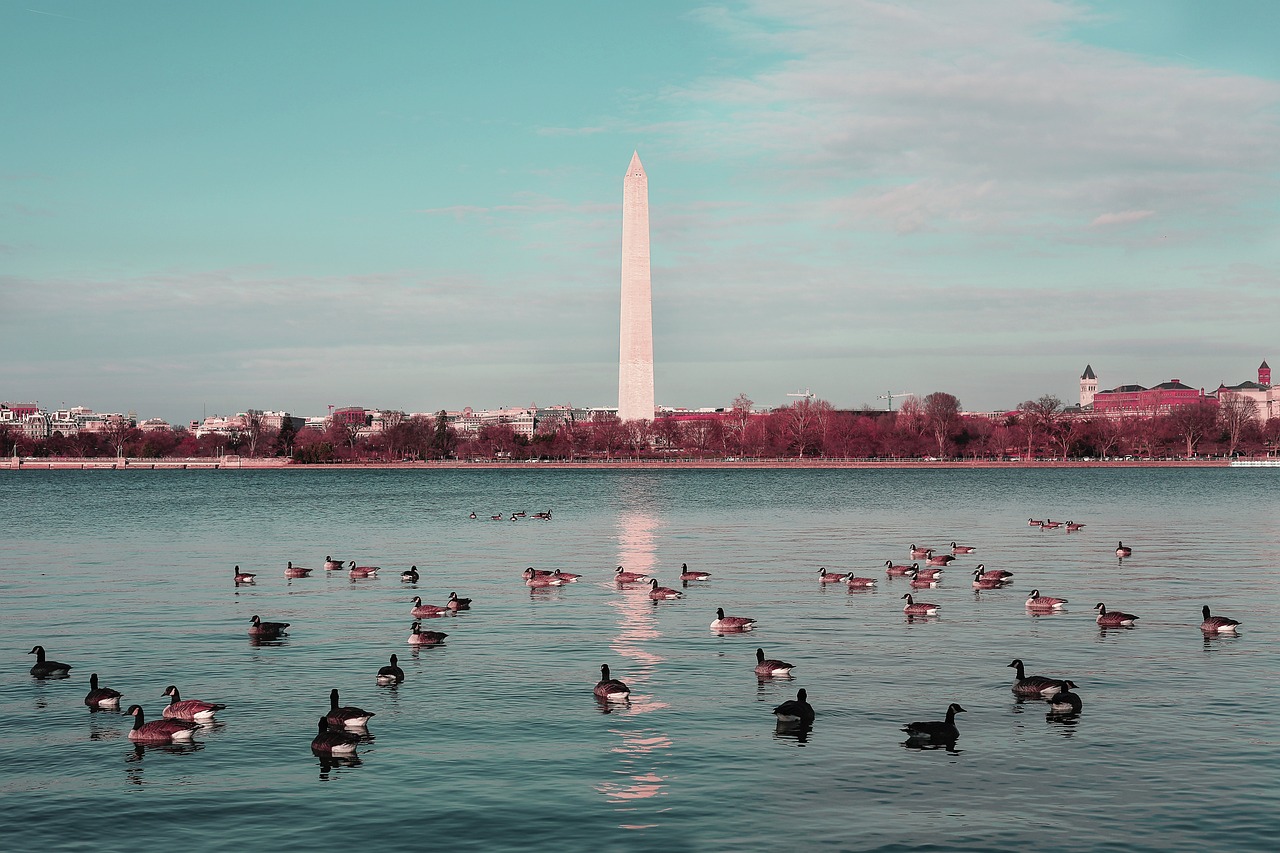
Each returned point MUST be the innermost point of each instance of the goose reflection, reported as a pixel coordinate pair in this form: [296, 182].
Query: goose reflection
[1063, 724]
[640, 748]
[138, 750]
[798, 732]
[923, 744]
[329, 763]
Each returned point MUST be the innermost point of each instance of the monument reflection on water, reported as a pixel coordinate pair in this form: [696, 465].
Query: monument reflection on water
[641, 746]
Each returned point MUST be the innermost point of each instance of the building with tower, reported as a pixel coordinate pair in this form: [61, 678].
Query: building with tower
[635, 351]
[1261, 393]
[1088, 386]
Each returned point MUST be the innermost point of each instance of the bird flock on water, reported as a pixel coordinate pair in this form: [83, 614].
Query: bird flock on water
[342, 728]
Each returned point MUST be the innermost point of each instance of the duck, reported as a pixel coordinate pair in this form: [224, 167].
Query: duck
[419, 637]
[292, 571]
[1036, 601]
[410, 576]
[391, 673]
[1033, 685]
[159, 731]
[497, 517]
[991, 574]
[543, 516]
[101, 697]
[346, 717]
[825, 576]
[621, 576]
[267, 630]
[857, 582]
[937, 730]
[797, 710]
[1216, 624]
[898, 571]
[531, 571]
[1064, 701]
[47, 668]
[1114, 619]
[663, 593]
[1050, 525]
[244, 577]
[979, 582]
[1123, 550]
[567, 577]
[687, 574]
[520, 514]
[1073, 526]
[361, 572]
[193, 710]
[962, 549]
[421, 611]
[731, 623]
[919, 581]
[771, 667]
[455, 603]
[332, 565]
[472, 516]
[1032, 522]
[330, 742]
[919, 608]
[533, 579]
[919, 552]
[610, 689]
[932, 573]
[939, 560]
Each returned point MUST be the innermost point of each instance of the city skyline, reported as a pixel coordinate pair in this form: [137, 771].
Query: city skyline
[206, 207]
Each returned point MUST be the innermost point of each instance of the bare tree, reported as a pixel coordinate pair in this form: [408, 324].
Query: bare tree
[910, 416]
[807, 418]
[1039, 417]
[739, 418]
[253, 432]
[1237, 413]
[1067, 432]
[118, 431]
[1193, 421]
[941, 414]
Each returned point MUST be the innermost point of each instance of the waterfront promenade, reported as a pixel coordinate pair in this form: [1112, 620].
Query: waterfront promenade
[815, 463]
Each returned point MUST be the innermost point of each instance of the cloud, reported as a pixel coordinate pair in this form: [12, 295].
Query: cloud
[976, 115]
[1123, 217]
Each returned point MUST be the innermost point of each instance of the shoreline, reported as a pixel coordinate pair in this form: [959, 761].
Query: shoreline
[274, 464]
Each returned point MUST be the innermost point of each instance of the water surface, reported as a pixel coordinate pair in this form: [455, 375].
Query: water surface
[494, 740]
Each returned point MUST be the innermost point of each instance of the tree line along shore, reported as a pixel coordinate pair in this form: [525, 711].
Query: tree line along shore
[931, 431]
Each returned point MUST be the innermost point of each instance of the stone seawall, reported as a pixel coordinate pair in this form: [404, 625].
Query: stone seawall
[114, 463]
[239, 463]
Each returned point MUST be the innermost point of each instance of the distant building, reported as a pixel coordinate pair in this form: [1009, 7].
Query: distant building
[1160, 399]
[1088, 386]
[1261, 392]
[355, 416]
[231, 427]
[155, 425]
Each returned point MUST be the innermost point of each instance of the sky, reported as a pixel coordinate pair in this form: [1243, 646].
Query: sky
[213, 206]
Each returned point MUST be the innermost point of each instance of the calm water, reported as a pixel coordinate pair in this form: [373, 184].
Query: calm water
[494, 741]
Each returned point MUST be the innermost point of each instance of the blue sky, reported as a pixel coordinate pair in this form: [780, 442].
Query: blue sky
[416, 205]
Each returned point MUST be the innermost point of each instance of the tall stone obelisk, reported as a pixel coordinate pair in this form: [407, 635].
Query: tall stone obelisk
[635, 355]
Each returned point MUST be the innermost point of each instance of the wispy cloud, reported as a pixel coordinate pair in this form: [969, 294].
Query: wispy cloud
[1123, 217]
[968, 115]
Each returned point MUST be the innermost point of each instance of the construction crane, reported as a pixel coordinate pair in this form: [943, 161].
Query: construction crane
[890, 396]
[806, 394]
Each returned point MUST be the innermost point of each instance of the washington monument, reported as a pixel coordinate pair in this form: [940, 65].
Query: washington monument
[635, 356]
